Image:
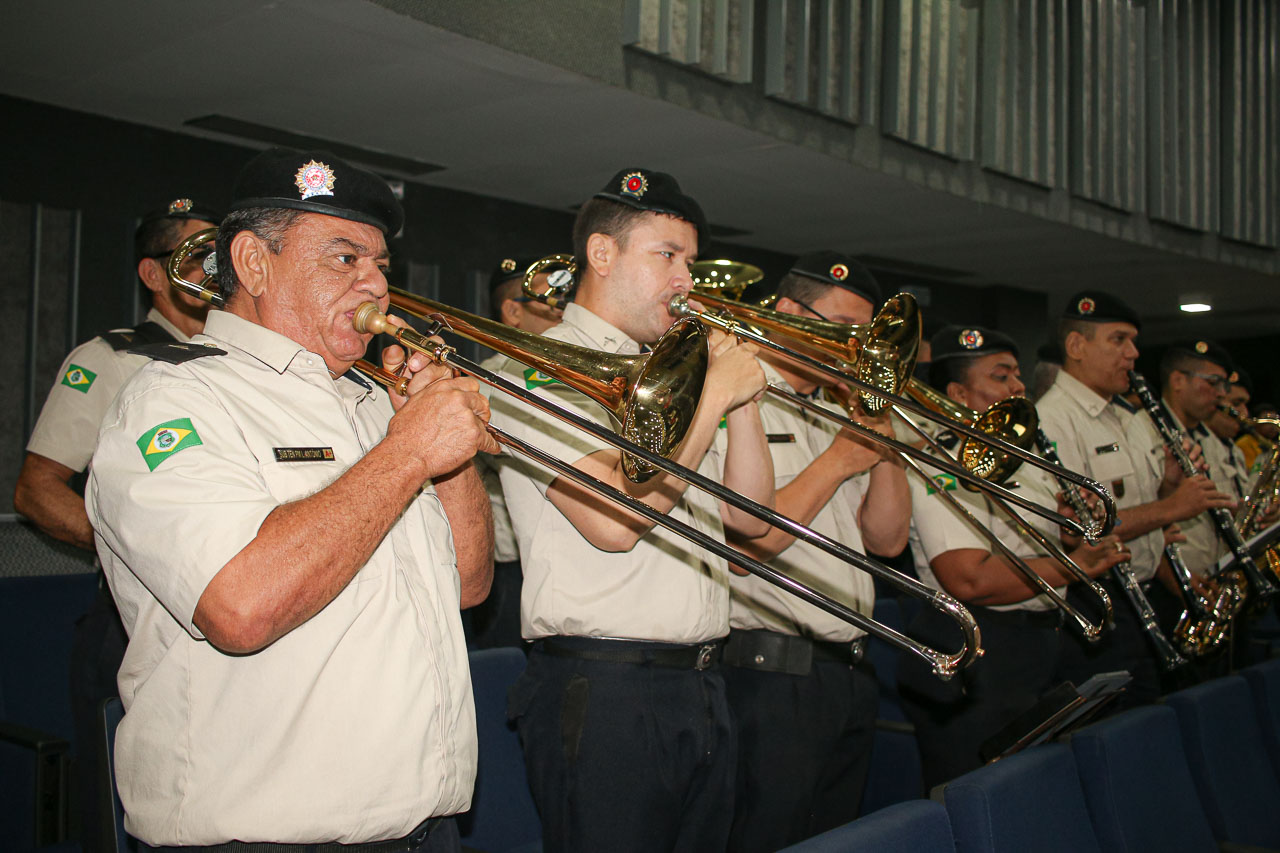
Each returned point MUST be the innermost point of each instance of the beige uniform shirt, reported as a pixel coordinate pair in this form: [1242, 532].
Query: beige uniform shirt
[505, 549]
[67, 429]
[1203, 547]
[936, 527]
[1097, 438]
[355, 726]
[665, 588]
[796, 438]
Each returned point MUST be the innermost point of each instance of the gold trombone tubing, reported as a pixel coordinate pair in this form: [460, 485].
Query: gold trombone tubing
[731, 325]
[516, 344]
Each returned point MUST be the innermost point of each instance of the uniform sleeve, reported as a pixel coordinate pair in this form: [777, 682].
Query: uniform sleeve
[939, 527]
[87, 382]
[1056, 424]
[542, 430]
[174, 492]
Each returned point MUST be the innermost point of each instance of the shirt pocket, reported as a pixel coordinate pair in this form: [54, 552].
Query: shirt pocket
[1111, 466]
[293, 481]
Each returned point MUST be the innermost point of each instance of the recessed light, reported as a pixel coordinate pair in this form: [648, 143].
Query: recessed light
[1196, 307]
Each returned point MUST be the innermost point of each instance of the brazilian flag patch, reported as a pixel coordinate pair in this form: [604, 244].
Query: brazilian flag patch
[724, 422]
[160, 442]
[78, 378]
[941, 482]
[533, 378]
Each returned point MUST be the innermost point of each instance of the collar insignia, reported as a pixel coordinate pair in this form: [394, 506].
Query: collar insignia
[314, 179]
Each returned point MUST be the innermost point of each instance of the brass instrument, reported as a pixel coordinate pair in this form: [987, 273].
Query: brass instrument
[1013, 419]
[656, 394]
[556, 359]
[204, 288]
[1250, 425]
[724, 276]
[862, 357]
[559, 282]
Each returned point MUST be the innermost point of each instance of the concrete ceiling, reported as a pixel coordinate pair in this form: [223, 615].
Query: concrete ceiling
[504, 125]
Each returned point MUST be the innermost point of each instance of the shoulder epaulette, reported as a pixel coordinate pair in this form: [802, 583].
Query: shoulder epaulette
[176, 352]
[143, 334]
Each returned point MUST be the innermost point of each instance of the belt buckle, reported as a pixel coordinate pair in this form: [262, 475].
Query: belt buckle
[857, 649]
[705, 655]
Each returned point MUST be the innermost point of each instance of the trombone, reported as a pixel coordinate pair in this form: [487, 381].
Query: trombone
[876, 360]
[653, 397]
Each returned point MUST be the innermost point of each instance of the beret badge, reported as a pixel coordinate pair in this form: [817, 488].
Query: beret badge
[1085, 306]
[314, 178]
[1233, 378]
[180, 205]
[1202, 347]
[971, 339]
[507, 265]
[635, 184]
[839, 272]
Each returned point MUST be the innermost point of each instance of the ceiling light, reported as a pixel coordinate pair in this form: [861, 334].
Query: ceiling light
[1196, 307]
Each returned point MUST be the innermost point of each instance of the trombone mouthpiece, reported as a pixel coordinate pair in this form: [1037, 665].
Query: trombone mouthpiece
[369, 320]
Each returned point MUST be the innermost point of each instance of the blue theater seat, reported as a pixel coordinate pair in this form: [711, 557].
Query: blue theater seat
[1237, 783]
[894, 775]
[1138, 786]
[1031, 800]
[502, 818]
[916, 826]
[1264, 681]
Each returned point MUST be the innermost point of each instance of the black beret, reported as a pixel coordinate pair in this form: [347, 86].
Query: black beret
[1258, 409]
[839, 270]
[656, 191]
[317, 182]
[970, 341]
[182, 208]
[1240, 376]
[509, 268]
[1094, 306]
[1205, 351]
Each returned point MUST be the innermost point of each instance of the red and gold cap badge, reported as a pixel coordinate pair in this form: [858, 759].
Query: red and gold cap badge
[507, 265]
[314, 178]
[180, 205]
[634, 184]
[1202, 347]
[971, 339]
[839, 272]
[1086, 306]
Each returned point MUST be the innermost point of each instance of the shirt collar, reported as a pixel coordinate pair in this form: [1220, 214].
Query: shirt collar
[603, 335]
[271, 348]
[1085, 397]
[162, 321]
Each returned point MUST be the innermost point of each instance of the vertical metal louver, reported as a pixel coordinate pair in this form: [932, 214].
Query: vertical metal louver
[715, 36]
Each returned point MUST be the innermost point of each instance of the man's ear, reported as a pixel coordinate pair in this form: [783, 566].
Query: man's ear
[959, 393]
[252, 259]
[152, 273]
[511, 312]
[602, 253]
[1073, 346]
[787, 305]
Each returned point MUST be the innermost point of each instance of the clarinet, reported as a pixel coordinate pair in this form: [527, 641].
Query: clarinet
[1220, 516]
[1122, 573]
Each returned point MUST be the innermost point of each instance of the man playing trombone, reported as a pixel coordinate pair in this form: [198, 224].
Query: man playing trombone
[1103, 439]
[802, 695]
[290, 546]
[1022, 631]
[621, 711]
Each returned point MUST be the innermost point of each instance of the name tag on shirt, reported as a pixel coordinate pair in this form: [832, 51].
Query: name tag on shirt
[303, 454]
[1107, 448]
[781, 437]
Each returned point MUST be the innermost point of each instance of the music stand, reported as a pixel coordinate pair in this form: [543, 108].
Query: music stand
[1062, 709]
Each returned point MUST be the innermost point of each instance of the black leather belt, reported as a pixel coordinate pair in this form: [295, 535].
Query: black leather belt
[1020, 618]
[412, 841]
[770, 651]
[672, 655]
